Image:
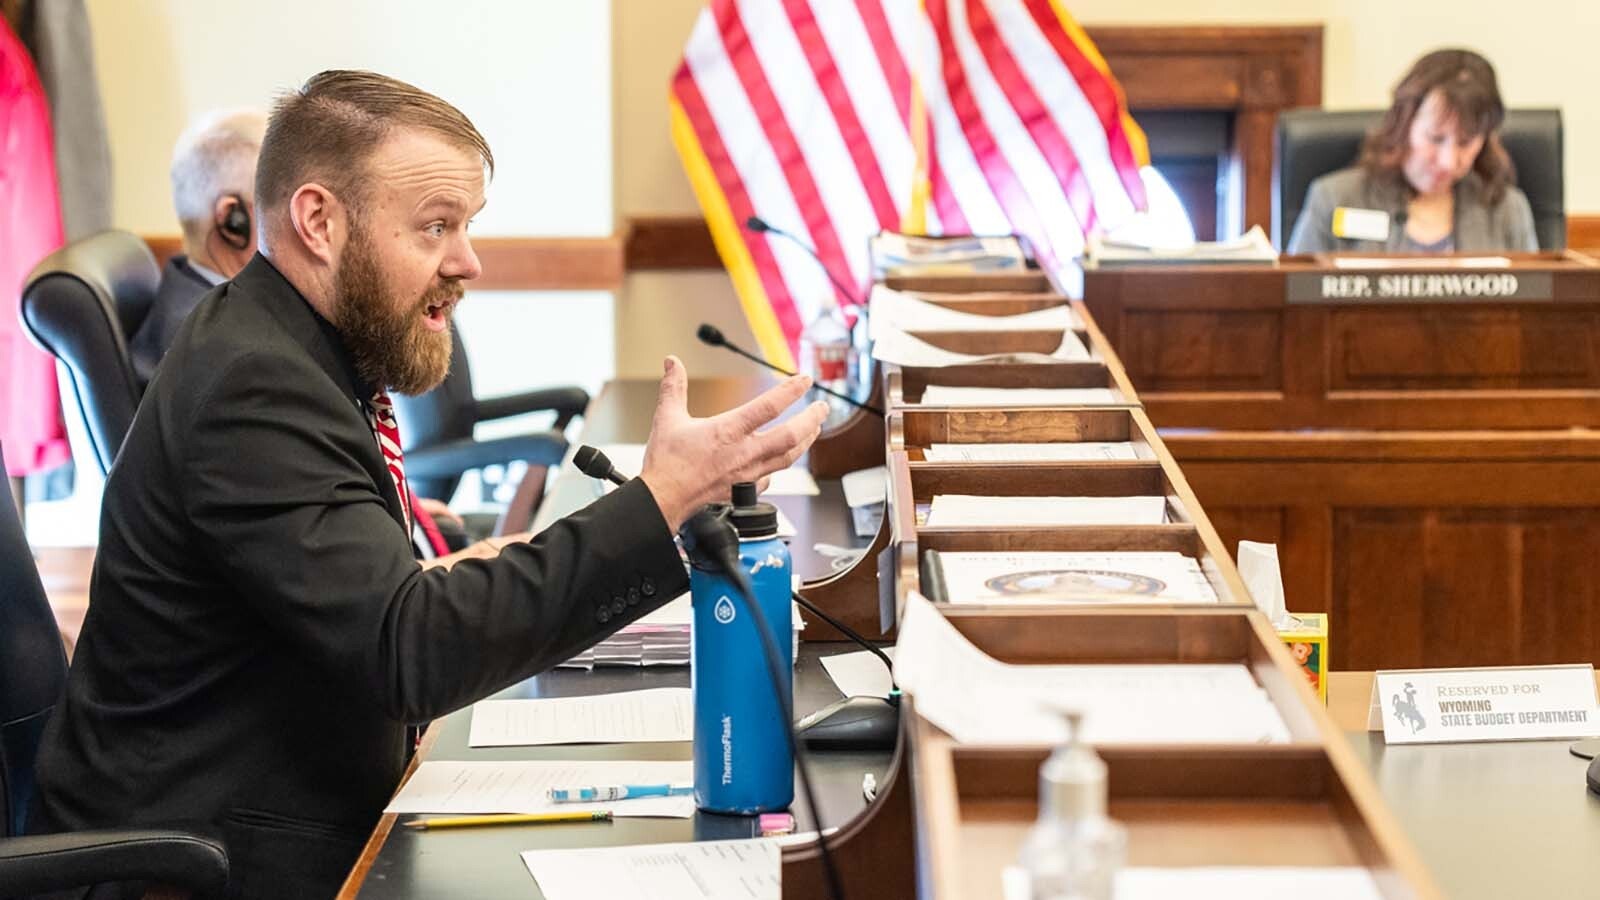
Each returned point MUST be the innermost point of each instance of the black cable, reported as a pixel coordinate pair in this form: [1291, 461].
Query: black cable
[775, 675]
[851, 633]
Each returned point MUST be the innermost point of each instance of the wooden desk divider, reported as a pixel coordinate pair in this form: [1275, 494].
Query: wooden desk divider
[1024, 281]
[992, 303]
[1304, 803]
[914, 481]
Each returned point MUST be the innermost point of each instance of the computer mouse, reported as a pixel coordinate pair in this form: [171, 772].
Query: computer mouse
[854, 723]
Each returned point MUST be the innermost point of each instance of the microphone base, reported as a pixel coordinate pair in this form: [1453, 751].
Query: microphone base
[854, 723]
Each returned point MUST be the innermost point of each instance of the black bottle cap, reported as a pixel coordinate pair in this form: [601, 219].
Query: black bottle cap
[751, 517]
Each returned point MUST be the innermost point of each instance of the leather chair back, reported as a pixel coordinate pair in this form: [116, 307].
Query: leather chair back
[33, 668]
[81, 304]
[446, 413]
[1314, 142]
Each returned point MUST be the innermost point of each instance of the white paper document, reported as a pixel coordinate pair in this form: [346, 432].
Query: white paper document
[792, 482]
[1059, 451]
[947, 395]
[965, 509]
[657, 714]
[860, 674]
[891, 345]
[1074, 577]
[1228, 883]
[865, 487]
[483, 787]
[980, 700]
[705, 870]
[902, 311]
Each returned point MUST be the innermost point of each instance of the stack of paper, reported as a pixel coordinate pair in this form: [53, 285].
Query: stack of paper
[1046, 577]
[978, 699]
[899, 254]
[1062, 451]
[660, 638]
[907, 313]
[892, 345]
[945, 395]
[626, 717]
[486, 787]
[1250, 247]
[704, 870]
[966, 510]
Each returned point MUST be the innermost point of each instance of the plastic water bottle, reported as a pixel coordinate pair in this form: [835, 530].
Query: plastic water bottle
[742, 762]
[826, 352]
[1073, 851]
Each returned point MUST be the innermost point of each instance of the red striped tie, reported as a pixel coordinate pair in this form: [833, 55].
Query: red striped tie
[387, 430]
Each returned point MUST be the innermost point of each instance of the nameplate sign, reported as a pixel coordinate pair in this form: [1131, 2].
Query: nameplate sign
[1438, 706]
[1492, 286]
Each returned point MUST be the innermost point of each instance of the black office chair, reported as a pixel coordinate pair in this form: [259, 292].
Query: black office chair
[33, 675]
[1314, 142]
[80, 304]
[436, 429]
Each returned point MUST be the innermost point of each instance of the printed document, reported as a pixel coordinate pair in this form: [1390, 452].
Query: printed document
[1059, 451]
[892, 345]
[861, 673]
[978, 699]
[964, 509]
[657, 714]
[907, 313]
[485, 787]
[704, 870]
[946, 395]
[1074, 577]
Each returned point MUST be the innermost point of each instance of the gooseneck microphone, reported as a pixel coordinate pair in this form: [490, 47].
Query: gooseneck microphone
[760, 226]
[712, 336]
[597, 465]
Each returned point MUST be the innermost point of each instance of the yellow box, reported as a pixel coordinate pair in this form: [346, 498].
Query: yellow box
[1308, 644]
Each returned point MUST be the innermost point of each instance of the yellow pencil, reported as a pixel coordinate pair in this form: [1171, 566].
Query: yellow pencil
[528, 819]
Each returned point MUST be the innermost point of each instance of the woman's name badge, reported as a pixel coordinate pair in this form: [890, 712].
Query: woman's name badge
[1360, 224]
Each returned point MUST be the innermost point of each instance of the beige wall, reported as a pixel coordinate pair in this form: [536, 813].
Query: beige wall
[1543, 50]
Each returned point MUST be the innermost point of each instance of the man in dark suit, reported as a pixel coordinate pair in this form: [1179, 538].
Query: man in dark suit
[213, 178]
[259, 635]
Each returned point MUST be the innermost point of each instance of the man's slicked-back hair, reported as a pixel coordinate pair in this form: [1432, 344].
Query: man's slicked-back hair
[328, 129]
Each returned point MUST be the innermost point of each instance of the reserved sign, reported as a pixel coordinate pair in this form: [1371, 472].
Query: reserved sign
[1433, 706]
[1371, 287]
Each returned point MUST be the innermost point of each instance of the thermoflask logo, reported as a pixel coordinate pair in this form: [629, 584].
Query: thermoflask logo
[723, 610]
[727, 749]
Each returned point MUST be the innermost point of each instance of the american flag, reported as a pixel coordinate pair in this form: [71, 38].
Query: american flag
[836, 119]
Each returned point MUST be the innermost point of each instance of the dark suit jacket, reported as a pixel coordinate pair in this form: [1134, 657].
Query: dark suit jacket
[179, 293]
[259, 634]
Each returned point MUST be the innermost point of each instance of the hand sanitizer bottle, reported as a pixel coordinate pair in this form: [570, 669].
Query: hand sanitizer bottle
[1073, 851]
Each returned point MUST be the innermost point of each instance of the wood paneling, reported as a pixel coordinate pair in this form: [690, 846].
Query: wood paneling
[1447, 549]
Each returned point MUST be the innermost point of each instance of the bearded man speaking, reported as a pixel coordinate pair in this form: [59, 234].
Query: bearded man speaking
[259, 635]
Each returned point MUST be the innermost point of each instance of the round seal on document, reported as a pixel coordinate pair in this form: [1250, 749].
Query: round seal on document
[1075, 582]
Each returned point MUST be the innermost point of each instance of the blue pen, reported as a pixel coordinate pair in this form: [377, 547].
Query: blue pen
[618, 792]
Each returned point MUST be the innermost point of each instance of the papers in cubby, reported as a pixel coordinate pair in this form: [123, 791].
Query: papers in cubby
[1060, 451]
[896, 254]
[656, 714]
[978, 699]
[703, 870]
[483, 787]
[966, 509]
[1250, 247]
[893, 309]
[891, 345]
[660, 638]
[948, 395]
[1074, 577]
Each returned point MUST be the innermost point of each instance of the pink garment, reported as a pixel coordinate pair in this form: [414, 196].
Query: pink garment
[31, 431]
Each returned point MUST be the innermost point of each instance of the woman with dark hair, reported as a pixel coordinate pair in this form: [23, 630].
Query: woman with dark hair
[1432, 177]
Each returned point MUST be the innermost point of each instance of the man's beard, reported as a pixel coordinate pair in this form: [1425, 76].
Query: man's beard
[392, 348]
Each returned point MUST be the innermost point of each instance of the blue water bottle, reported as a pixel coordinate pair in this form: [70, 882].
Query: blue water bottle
[742, 762]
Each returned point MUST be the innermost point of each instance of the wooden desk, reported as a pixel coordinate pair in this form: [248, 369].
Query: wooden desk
[1430, 471]
[1491, 821]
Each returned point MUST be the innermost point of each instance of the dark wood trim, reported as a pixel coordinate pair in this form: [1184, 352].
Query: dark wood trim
[667, 242]
[517, 263]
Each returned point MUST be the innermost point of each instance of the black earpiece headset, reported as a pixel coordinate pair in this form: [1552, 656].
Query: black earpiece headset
[235, 225]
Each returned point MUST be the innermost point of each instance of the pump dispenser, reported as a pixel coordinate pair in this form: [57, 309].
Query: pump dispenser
[1073, 852]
